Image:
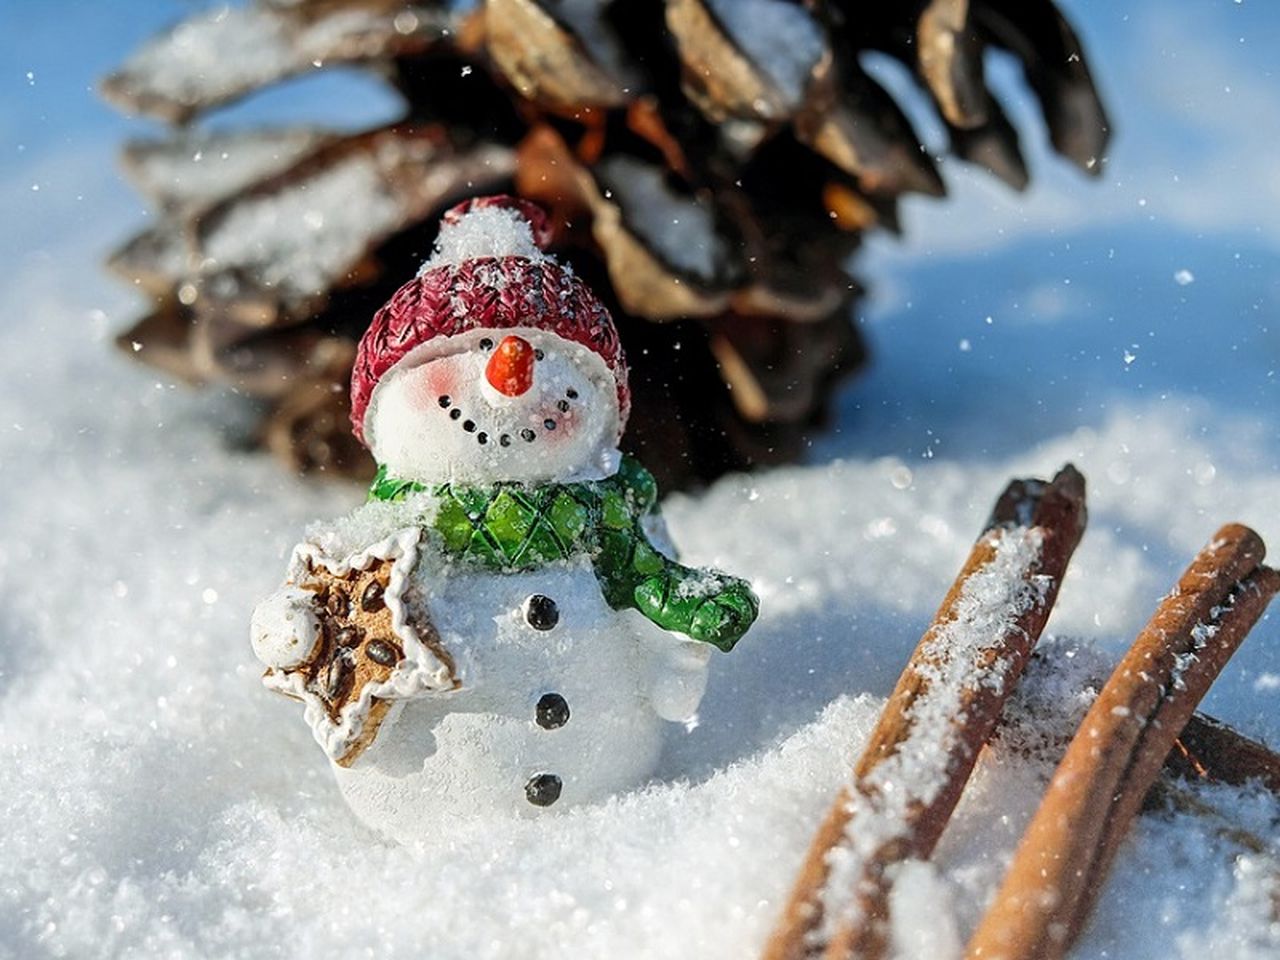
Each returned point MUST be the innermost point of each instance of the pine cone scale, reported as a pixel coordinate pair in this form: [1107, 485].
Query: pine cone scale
[710, 166]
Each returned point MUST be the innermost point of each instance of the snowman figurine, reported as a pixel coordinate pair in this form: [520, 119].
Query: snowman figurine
[501, 626]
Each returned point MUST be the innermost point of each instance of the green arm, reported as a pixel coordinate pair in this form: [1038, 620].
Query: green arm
[703, 604]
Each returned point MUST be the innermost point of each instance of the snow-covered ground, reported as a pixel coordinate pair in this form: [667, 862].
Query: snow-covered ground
[159, 802]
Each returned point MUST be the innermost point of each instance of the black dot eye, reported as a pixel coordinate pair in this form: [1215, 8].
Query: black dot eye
[486, 344]
[541, 612]
[552, 711]
[543, 789]
[571, 393]
[538, 354]
[563, 406]
[482, 437]
[468, 425]
[527, 435]
[549, 423]
[444, 402]
[455, 413]
[504, 440]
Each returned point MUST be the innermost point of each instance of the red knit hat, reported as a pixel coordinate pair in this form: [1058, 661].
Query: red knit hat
[487, 292]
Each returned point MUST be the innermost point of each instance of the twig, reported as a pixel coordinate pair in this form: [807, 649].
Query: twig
[1119, 749]
[1209, 750]
[945, 706]
[1166, 795]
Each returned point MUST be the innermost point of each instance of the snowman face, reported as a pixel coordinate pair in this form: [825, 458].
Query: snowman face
[518, 404]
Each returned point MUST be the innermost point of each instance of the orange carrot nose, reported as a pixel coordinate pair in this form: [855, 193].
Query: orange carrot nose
[510, 369]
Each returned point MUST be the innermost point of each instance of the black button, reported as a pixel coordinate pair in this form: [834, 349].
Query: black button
[541, 612]
[552, 711]
[543, 789]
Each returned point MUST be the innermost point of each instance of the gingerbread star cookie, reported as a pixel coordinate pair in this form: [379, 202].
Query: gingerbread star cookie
[341, 638]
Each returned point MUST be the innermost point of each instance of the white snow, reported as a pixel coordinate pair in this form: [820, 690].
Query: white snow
[196, 169]
[680, 229]
[191, 62]
[486, 232]
[299, 239]
[194, 815]
[228, 49]
[781, 38]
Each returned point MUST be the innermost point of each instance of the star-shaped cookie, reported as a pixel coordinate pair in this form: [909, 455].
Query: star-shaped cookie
[345, 642]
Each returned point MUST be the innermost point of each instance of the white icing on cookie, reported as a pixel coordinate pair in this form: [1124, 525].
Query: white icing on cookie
[419, 673]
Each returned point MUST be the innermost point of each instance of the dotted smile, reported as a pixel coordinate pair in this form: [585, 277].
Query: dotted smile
[528, 435]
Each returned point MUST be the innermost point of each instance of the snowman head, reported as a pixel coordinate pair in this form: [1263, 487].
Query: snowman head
[494, 363]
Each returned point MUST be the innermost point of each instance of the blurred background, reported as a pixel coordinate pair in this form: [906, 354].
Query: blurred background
[1052, 301]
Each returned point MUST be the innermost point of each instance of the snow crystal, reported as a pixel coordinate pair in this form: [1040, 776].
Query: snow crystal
[706, 584]
[921, 913]
[484, 232]
[214, 54]
[681, 229]
[219, 54]
[1059, 685]
[779, 36]
[586, 19]
[301, 239]
[197, 169]
[210, 825]
[1247, 927]
[369, 523]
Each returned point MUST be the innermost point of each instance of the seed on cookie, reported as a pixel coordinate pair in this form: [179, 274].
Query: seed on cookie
[373, 598]
[382, 653]
[348, 636]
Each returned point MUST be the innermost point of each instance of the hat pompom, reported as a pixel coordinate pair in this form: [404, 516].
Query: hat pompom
[500, 226]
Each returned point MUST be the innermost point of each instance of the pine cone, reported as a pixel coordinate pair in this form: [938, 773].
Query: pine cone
[710, 166]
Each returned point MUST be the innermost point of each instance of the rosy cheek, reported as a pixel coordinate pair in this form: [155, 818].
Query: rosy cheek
[565, 432]
[431, 382]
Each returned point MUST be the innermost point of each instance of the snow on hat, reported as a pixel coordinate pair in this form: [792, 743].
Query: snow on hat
[488, 272]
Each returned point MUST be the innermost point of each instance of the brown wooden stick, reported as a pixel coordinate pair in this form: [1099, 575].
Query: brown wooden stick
[1119, 749]
[942, 711]
[1210, 751]
[1166, 795]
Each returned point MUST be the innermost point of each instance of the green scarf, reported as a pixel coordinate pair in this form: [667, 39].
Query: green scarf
[512, 526]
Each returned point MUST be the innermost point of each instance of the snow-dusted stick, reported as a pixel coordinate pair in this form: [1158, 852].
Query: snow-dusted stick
[1209, 750]
[944, 708]
[1120, 748]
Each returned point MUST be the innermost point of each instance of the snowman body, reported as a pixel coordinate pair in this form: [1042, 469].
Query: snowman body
[561, 712]
[503, 627]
